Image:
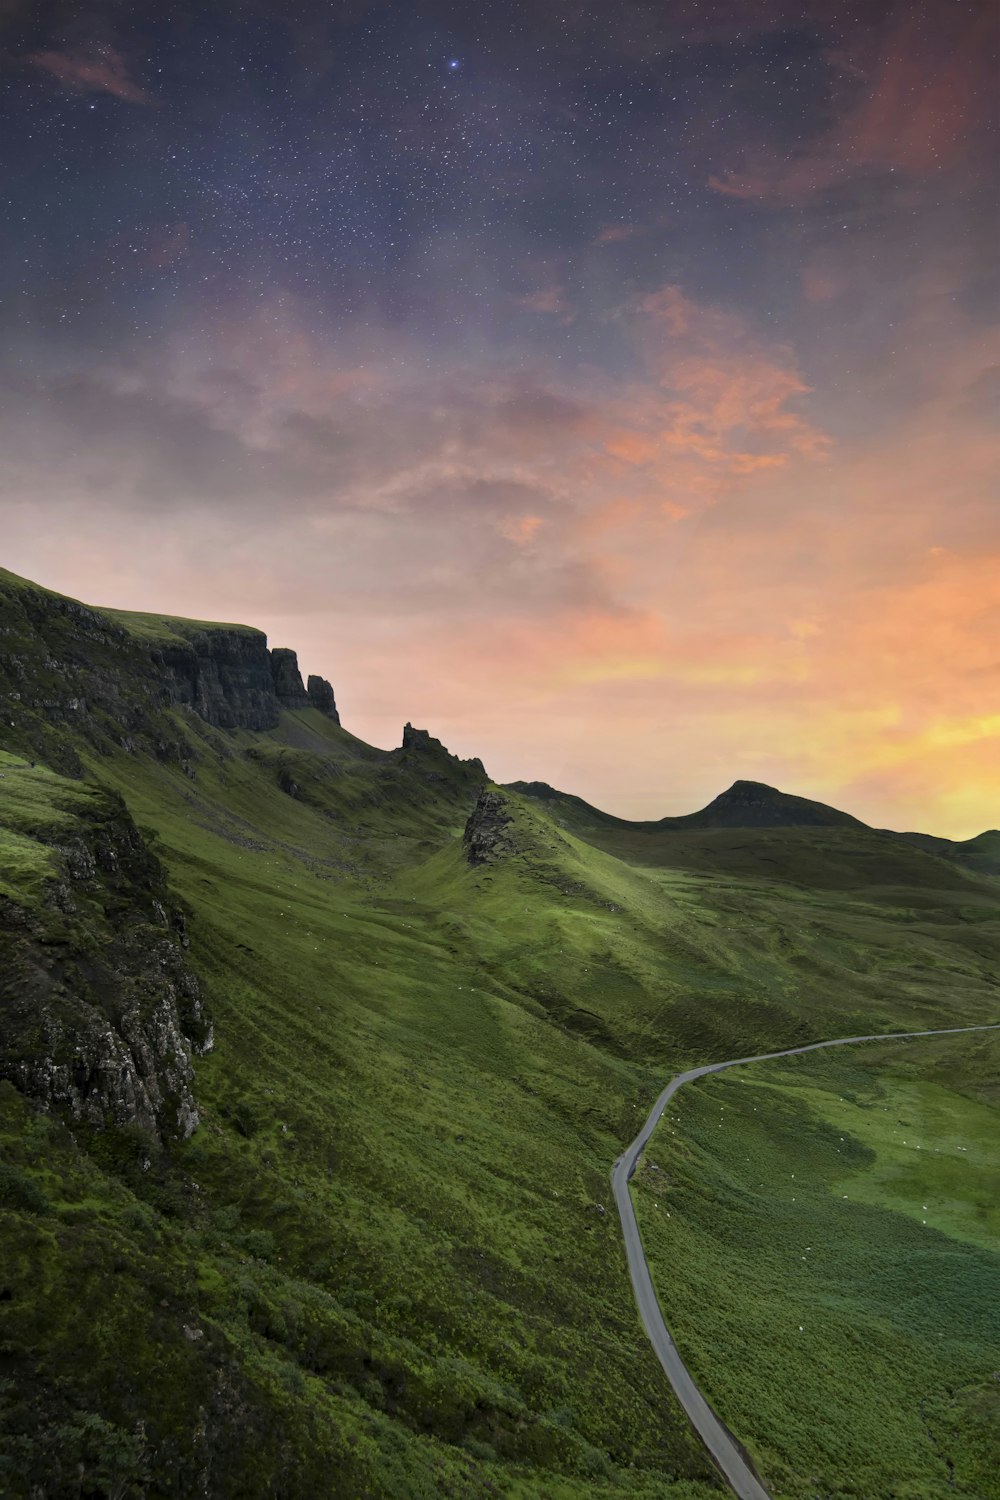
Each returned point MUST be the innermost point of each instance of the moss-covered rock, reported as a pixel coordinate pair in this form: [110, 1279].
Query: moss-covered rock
[99, 1009]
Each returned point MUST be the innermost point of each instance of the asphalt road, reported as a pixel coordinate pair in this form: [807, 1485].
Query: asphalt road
[722, 1446]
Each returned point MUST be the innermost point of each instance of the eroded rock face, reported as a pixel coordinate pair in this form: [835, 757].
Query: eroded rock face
[224, 675]
[287, 679]
[65, 666]
[420, 740]
[100, 1012]
[422, 750]
[321, 697]
[489, 834]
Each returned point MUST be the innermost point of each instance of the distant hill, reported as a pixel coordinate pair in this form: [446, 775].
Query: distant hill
[755, 829]
[746, 804]
[752, 804]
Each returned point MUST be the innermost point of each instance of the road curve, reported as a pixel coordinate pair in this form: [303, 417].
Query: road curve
[723, 1448]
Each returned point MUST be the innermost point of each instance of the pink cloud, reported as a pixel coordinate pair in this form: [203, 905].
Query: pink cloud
[820, 283]
[100, 70]
[544, 569]
[908, 108]
[167, 244]
[549, 299]
[521, 530]
[616, 234]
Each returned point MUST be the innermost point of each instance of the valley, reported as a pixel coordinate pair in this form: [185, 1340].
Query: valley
[418, 1017]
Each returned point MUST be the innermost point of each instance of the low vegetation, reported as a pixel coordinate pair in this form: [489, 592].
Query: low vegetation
[386, 1263]
[824, 1235]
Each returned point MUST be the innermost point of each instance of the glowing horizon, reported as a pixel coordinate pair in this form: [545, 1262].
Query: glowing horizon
[619, 407]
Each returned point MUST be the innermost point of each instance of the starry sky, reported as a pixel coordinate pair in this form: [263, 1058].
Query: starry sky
[609, 388]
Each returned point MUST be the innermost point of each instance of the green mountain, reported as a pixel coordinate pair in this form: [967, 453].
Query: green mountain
[314, 1059]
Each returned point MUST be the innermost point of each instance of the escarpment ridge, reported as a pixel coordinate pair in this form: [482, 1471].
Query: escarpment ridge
[108, 673]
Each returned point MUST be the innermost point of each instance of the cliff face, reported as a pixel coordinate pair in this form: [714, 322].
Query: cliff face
[99, 1010]
[224, 675]
[287, 679]
[107, 676]
[321, 697]
[421, 749]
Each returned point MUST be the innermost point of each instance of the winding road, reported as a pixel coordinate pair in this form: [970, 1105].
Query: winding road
[729, 1457]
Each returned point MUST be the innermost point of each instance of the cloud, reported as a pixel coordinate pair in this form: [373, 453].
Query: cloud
[549, 299]
[434, 465]
[821, 283]
[544, 566]
[916, 105]
[521, 530]
[721, 405]
[616, 234]
[99, 70]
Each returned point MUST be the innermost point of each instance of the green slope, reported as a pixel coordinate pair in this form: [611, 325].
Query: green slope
[837, 1219]
[383, 1265]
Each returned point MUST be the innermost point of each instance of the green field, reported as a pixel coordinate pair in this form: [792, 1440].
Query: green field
[824, 1235]
[386, 1263]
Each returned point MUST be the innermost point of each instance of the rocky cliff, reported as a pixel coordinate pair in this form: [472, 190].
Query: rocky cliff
[287, 679]
[489, 834]
[108, 675]
[421, 750]
[321, 697]
[99, 1010]
[224, 673]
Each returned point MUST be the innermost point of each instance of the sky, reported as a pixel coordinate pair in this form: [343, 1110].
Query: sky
[609, 388]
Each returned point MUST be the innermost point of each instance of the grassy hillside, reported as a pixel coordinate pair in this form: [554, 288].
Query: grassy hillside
[837, 1220]
[385, 1264]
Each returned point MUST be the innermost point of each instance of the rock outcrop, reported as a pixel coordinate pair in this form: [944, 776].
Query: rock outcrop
[420, 740]
[422, 749]
[321, 697]
[489, 834]
[287, 679]
[100, 1012]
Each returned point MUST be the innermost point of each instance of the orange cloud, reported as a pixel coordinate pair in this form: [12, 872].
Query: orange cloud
[521, 529]
[631, 447]
[722, 408]
[100, 70]
[613, 515]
